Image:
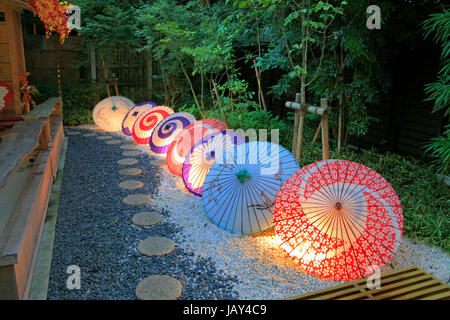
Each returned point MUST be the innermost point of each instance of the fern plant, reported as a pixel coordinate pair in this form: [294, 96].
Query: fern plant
[438, 25]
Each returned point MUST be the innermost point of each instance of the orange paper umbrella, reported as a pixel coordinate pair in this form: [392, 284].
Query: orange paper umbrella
[339, 220]
[109, 113]
[147, 122]
[133, 115]
[166, 131]
[186, 139]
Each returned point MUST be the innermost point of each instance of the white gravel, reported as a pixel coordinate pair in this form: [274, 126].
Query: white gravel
[264, 269]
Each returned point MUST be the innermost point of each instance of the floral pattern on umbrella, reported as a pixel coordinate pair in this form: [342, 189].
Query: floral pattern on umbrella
[339, 220]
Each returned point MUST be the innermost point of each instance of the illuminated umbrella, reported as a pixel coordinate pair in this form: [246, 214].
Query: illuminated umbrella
[167, 130]
[186, 139]
[6, 96]
[239, 195]
[339, 220]
[146, 123]
[133, 115]
[109, 113]
[203, 155]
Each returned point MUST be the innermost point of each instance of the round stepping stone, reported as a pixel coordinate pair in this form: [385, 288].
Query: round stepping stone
[137, 199]
[129, 147]
[127, 162]
[159, 287]
[147, 219]
[156, 246]
[104, 137]
[130, 171]
[131, 185]
[89, 135]
[131, 153]
[113, 142]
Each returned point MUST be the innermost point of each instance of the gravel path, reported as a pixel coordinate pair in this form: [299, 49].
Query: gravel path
[94, 231]
[210, 262]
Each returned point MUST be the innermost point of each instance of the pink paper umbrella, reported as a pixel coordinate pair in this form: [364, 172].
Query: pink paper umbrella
[204, 154]
[186, 139]
[338, 220]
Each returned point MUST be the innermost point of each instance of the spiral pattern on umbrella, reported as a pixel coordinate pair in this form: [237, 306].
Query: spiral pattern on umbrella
[186, 139]
[109, 113]
[339, 220]
[166, 131]
[147, 122]
[204, 154]
[133, 115]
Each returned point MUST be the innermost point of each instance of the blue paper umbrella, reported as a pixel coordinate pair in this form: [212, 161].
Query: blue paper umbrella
[239, 195]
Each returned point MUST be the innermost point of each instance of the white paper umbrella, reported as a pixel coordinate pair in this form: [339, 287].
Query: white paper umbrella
[133, 115]
[239, 196]
[204, 154]
[109, 113]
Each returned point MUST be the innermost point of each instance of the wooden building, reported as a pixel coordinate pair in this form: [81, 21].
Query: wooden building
[30, 147]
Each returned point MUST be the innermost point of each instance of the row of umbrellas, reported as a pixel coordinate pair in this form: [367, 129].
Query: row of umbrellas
[338, 220]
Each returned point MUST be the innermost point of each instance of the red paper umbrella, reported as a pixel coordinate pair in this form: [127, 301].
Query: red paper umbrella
[339, 220]
[184, 142]
[6, 96]
[167, 130]
[147, 122]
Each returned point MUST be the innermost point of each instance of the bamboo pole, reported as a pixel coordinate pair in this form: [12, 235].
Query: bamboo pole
[296, 123]
[325, 138]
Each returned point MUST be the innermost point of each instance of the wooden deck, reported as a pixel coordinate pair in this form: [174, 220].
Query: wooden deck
[410, 283]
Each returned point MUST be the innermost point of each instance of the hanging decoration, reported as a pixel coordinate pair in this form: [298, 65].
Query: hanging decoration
[6, 96]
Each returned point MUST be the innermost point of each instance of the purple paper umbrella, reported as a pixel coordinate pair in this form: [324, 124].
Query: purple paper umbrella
[204, 154]
[167, 130]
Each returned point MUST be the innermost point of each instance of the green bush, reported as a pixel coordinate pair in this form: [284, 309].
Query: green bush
[79, 99]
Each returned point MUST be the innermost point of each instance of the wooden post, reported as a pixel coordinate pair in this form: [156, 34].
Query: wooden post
[93, 64]
[150, 75]
[325, 144]
[300, 136]
[116, 88]
[296, 123]
[316, 135]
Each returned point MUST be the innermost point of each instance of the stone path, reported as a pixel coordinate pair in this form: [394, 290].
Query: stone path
[156, 287]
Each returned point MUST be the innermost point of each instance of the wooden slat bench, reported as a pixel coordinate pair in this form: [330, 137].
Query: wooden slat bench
[20, 142]
[45, 111]
[25, 188]
[410, 283]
